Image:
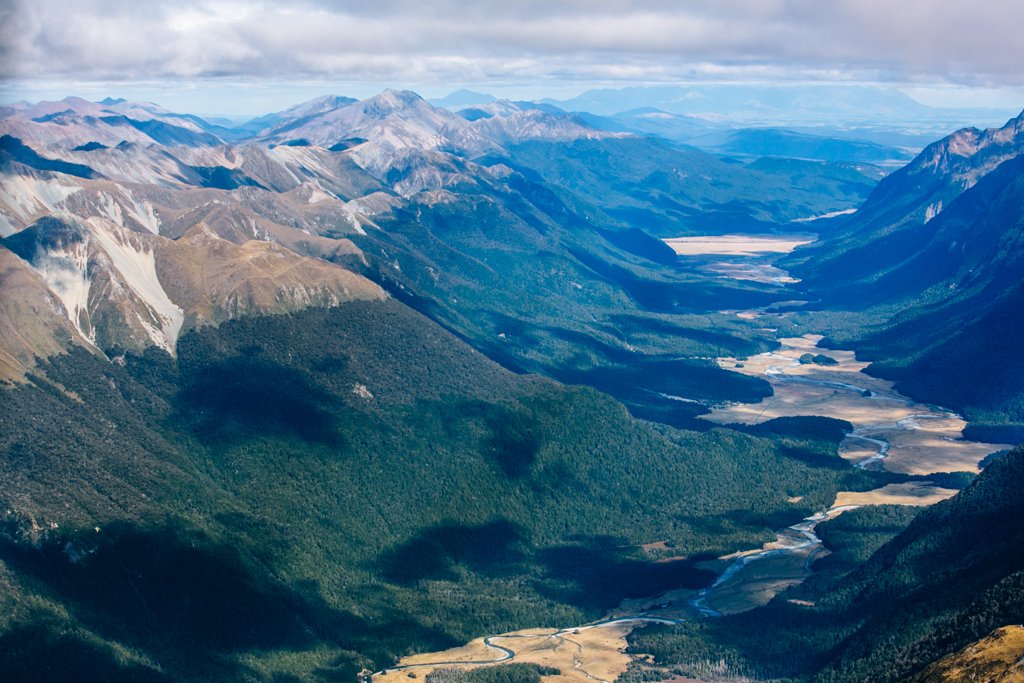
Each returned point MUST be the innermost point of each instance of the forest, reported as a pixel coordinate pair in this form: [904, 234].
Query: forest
[368, 479]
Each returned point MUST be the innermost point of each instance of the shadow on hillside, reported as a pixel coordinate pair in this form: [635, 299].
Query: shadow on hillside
[594, 575]
[245, 398]
[43, 649]
[493, 549]
[190, 604]
[514, 439]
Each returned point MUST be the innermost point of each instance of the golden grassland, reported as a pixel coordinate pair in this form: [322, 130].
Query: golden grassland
[736, 245]
[907, 493]
[996, 658]
[583, 654]
[922, 439]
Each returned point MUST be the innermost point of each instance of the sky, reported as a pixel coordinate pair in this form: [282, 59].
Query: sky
[245, 58]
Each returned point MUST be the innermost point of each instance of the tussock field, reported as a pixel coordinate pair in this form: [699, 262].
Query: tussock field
[908, 493]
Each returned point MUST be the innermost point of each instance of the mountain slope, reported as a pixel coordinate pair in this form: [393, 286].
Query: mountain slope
[933, 262]
[998, 657]
[120, 288]
[365, 479]
[32, 320]
[899, 210]
[670, 192]
[951, 578]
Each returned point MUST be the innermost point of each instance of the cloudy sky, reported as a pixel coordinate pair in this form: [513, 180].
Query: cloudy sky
[226, 56]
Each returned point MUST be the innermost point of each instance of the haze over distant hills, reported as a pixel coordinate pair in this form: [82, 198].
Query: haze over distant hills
[807, 104]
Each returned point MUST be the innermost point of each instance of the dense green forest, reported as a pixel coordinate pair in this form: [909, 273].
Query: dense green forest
[887, 602]
[505, 673]
[314, 493]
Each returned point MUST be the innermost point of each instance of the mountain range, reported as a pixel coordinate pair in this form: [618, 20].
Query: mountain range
[434, 208]
[282, 401]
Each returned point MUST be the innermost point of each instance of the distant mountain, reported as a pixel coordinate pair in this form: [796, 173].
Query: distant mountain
[292, 116]
[750, 100]
[397, 118]
[652, 121]
[74, 122]
[462, 98]
[667, 191]
[721, 137]
[509, 123]
[399, 130]
[772, 105]
[777, 142]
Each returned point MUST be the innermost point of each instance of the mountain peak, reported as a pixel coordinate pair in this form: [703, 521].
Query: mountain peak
[199, 231]
[396, 98]
[75, 101]
[325, 102]
[462, 98]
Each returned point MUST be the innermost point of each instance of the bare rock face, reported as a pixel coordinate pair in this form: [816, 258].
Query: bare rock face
[33, 320]
[105, 279]
[96, 283]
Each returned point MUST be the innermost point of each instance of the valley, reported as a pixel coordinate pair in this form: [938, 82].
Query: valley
[592, 652]
[888, 432]
[906, 437]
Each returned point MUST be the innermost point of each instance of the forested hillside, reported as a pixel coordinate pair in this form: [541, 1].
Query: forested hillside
[316, 492]
[950, 578]
[925, 279]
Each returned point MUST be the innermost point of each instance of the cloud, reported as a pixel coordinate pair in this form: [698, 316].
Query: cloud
[449, 41]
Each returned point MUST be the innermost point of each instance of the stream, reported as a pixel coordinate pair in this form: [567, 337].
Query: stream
[883, 419]
[799, 537]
